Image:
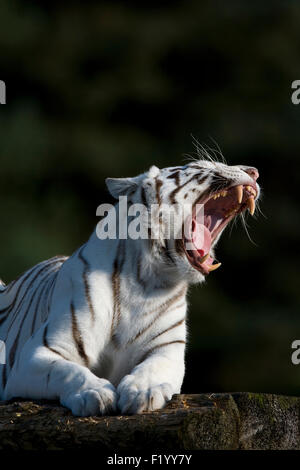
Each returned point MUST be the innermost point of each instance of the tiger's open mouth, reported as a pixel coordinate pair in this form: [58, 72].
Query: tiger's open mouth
[215, 212]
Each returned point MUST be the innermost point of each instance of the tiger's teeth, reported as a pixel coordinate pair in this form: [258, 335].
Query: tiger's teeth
[204, 258]
[239, 190]
[224, 193]
[251, 205]
[251, 191]
[233, 211]
[213, 267]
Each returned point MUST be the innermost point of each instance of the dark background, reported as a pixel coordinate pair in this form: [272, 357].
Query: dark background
[98, 89]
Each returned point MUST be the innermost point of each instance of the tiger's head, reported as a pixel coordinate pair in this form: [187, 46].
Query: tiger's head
[212, 193]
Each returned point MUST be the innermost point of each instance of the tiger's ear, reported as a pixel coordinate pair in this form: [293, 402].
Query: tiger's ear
[121, 186]
[153, 171]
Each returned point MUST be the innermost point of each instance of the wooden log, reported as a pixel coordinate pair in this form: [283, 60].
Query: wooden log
[188, 422]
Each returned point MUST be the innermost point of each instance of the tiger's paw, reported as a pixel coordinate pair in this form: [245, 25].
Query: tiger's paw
[134, 400]
[101, 400]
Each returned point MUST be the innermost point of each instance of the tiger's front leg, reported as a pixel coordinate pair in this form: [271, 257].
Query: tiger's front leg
[153, 382]
[43, 372]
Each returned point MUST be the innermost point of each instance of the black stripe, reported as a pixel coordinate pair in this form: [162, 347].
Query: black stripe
[10, 307]
[218, 182]
[78, 338]
[4, 377]
[154, 320]
[174, 168]
[46, 345]
[178, 323]
[162, 307]
[38, 305]
[158, 185]
[176, 176]
[167, 253]
[158, 346]
[54, 259]
[13, 283]
[194, 177]
[201, 180]
[86, 283]
[49, 373]
[49, 293]
[179, 246]
[143, 197]
[117, 268]
[138, 272]
[195, 166]
[14, 347]
[176, 190]
[25, 294]
[25, 276]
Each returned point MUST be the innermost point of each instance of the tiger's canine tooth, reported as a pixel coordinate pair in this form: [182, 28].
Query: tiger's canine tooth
[239, 190]
[213, 267]
[204, 258]
[251, 191]
[251, 205]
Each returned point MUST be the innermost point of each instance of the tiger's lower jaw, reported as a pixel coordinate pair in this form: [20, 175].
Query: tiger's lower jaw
[201, 264]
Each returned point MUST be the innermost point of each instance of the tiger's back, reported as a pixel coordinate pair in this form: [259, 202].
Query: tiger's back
[24, 307]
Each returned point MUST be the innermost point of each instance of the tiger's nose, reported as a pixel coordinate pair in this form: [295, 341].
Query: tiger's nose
[253, 172]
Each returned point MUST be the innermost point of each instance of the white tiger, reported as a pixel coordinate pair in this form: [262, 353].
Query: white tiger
[105, 329]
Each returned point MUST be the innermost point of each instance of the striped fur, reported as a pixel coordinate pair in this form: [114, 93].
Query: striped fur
[106, 327]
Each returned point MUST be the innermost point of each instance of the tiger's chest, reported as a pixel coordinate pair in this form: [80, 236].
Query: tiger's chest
[134, 330]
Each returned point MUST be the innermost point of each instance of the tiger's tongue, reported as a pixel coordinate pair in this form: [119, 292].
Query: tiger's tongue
[202, 239]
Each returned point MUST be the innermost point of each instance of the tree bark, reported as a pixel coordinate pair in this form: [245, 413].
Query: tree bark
[188, 422]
